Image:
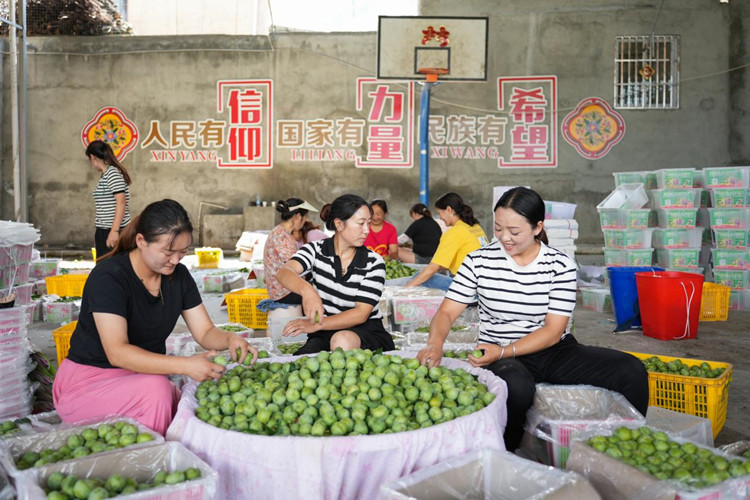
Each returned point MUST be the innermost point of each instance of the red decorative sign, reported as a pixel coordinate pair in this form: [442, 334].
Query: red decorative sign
[111, 126]
[593, 128]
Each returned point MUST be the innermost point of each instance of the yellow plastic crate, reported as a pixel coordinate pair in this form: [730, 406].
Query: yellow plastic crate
[66, 285]
[208, 257]
[242, 307]
[62, 340]
[715, 302]
[702, 397]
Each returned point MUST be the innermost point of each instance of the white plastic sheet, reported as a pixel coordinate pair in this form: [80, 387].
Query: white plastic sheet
[690, 427]
[489, 474]
[140, 464]
[291, 467]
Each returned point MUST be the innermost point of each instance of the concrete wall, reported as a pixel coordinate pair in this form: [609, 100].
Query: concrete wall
[170, 78]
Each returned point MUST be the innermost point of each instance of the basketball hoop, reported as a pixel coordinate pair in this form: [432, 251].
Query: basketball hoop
[432, 74]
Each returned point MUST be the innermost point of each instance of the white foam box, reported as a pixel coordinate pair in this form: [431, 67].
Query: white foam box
[690, 427]
[489, 474]
[140, 464]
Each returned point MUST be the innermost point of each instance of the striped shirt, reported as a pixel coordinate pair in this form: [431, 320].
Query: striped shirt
[513, 299]
[363, 281]
[111, 183]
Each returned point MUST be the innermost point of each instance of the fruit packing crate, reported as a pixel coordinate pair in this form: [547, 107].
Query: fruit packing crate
[66, 285]
[62, 340]
[242, 307]
[702, 397]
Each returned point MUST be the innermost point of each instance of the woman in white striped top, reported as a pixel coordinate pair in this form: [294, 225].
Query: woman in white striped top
[341, 298]
[111, 196]
[526, 293]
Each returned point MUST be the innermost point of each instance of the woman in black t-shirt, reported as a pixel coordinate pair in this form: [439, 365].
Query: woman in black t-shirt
[424, 233]
[117, 364]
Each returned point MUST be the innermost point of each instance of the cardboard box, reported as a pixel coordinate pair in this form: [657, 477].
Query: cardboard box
[140, 464]
[489, 474]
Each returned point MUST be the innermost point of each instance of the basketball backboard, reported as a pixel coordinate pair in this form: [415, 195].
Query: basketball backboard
[410, 47]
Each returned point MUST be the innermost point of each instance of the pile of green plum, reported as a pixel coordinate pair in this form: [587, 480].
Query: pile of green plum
[477, 353]
[233, 328]
[654, 453]
[62, 487]
[289, 347]
[677, 367]
[339, 393]
[426, 329]
[395, 269]
[11, 426]
[105, 437]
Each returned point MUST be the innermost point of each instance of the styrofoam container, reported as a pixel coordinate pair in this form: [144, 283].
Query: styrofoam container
[730, 197]
[726, 177]
[489, 474]
[727, 258]
[693, 270]
[678, 257]
[627, 238]
[626, 196]
[139, 464]
[596, 299]
[674, 198]
[645, 177]
[559, 210]
[39, 269]
[729, 218]
[628, 257]
[736, 279]
[677, 217]
[677, 237]
[731, 238]
[675, 178]
[14, 275]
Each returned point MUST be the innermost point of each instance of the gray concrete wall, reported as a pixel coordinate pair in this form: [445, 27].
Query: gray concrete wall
[173, 78]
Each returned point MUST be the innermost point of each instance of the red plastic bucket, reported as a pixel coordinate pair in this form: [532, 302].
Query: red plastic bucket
[670, 304]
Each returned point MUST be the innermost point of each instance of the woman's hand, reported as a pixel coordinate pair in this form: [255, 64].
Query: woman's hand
[491, 354]
[112, 238]
[431, 355]
[300, 326]
[200, 367]
[239, 349]
[313, 305]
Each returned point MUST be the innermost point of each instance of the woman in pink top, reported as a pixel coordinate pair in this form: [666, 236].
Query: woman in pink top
[383, 237]
[281, 245]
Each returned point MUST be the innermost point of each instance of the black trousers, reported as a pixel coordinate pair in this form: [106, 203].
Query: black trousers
[568, 363]
[100, 242]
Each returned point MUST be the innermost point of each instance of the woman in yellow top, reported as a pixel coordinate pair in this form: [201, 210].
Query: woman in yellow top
[464, 235]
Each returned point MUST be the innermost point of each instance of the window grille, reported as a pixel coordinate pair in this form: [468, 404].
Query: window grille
[647, 72]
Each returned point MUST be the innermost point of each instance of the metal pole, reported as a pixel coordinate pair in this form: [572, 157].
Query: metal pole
[22, 144]
[424, 144]
[14, 113]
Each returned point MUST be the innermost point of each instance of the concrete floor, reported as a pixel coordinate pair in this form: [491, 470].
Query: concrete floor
[727, 341]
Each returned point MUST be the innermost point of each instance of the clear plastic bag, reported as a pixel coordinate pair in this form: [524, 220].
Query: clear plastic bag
[489, 474]
[140, 464]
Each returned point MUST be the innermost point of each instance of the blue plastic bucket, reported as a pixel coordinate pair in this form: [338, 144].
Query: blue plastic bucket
[625, 295]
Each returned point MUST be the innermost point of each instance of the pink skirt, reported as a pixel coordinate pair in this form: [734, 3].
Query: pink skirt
[83, 392]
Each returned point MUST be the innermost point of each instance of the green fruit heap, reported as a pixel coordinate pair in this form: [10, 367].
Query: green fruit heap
[10, 426]
[338, 393]
[426, 329]
[62, 487]
[456, 354]
[105, 437]
[288, 347]
[654, 453]
[677, 367]
[233, 328]
[395, 269]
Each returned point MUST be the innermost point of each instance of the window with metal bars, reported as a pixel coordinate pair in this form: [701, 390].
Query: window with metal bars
[647, 72]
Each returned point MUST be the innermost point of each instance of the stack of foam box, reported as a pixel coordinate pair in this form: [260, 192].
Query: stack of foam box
[626, 223]
[677, 239]
[15, 393]
[561, 227]
[16, 251]
[727, 251]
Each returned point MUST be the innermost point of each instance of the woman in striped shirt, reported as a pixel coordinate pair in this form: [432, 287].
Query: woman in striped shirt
[341, 299]
[111, 196]
[527, 293]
